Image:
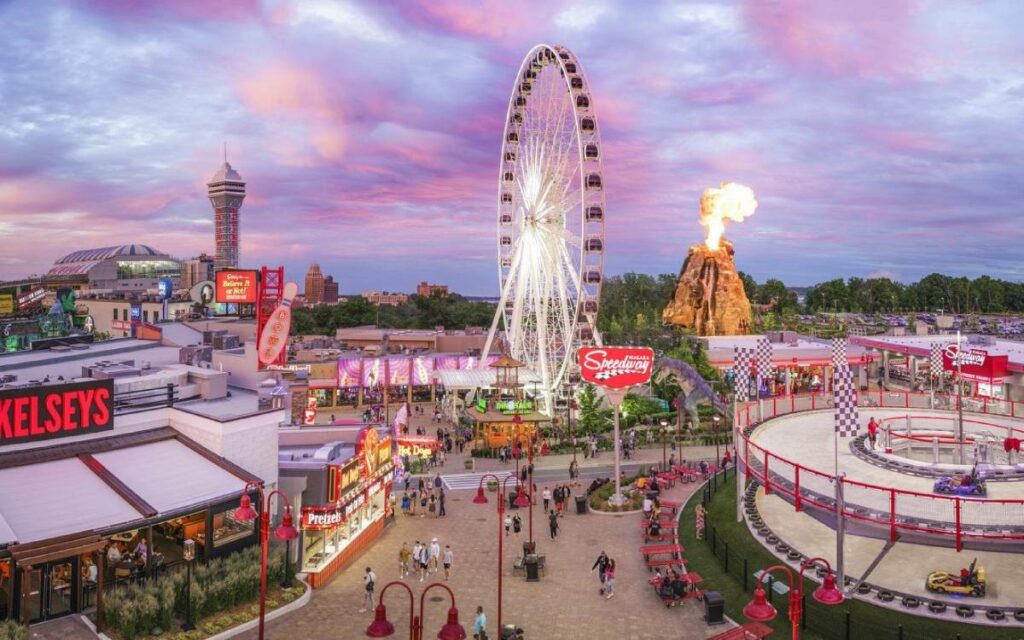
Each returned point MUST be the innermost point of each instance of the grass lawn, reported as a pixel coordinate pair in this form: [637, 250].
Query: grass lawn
[823, 623]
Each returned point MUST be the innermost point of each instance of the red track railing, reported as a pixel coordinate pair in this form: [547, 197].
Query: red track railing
[898, 510]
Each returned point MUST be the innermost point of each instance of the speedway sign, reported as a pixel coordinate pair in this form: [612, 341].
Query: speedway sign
[975, 364]
[616, 367]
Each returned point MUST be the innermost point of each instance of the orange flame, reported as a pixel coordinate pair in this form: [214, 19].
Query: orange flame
[731, 202]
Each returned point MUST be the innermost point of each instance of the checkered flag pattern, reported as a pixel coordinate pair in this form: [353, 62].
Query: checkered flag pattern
[742, 359]
[935, 360]
[610, 373]
[844, 403]
[764, 358]
[839, 353]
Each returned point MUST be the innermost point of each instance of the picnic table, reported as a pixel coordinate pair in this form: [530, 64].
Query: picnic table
[659, 537]
[673, 550]
[670, 504]
[671, 525]
[668, 478]
[664, 562]
[688, 474]
[748, 631]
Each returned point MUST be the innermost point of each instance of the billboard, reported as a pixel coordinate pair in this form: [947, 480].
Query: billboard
[236, 286]
[56, 411]
[202, 292]
[6, 303]
[31, 297]
[165, 288]
[616, 367]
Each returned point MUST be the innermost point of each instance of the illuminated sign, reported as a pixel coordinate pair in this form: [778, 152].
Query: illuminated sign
[975, 364]
[616, 367]
[274, 334]
[236, 287]
[42, 413]
[6, 303]
[136, 312]
[165, 288]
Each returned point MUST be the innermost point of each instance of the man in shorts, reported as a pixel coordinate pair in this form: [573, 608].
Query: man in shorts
[447, 559]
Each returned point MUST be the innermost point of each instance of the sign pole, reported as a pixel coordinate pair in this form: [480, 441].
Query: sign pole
[737, 438]
[615, 396]
[960, 398]
[840, 532]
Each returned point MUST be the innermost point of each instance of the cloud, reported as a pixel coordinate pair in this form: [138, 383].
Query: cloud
[872, 133]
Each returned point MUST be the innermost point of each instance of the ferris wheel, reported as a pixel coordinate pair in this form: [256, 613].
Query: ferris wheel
[551, 214]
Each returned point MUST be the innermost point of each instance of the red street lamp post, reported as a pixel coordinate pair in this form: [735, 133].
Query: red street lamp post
[381, 627]
[285, 532]
[760, 610]
[482, 499]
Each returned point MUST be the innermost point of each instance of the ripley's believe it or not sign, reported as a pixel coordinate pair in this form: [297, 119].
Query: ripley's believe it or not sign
[616, 367]
[57, 411]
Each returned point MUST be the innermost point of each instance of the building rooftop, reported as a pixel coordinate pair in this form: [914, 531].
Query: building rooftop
[795, 349]
[225, 174]
[921, 346]
[104, 253]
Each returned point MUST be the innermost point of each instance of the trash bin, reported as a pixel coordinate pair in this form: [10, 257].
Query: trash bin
[529, 547]
[532, 568]
[714, 608]
[581, 504]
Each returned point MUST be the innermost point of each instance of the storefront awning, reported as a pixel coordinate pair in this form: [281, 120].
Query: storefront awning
[55, 498]
[480, 378]
[6, 533]
[105, 483]
[169, 475]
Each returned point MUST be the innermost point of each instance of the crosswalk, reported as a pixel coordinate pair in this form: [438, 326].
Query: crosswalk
[462, 481]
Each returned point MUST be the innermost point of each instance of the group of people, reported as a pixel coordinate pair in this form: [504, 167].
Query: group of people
[559, 496]
[423, 559]
[429, 493]
[671, 585]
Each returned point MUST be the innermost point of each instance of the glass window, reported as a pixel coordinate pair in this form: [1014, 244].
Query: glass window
[145, 316]
[156, 316]
[227, 529]
[115, 314]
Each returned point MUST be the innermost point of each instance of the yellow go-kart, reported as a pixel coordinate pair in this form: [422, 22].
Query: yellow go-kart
[969, 582]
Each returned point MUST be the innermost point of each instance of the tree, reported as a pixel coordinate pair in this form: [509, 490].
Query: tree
[775, 290]
[593, 419]
[749, 285]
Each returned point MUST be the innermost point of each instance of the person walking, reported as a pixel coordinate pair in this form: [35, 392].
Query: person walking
[609, 579]
[440, 505]
[432, 506]
[435, 555]
[601, 564]
[547, 498]
[403, 560]
[873, 432]
[480, 625]
[553, 524]
[508, 524]
[369, 583]
[447, 560]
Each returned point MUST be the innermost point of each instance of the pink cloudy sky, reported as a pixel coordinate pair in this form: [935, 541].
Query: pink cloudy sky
[881, 136]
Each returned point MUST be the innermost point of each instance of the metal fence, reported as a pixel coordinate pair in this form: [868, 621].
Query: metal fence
[828, 622]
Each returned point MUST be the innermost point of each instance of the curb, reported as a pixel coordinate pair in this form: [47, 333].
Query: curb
[294, 605]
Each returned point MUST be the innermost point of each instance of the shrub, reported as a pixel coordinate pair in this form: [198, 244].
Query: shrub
[11, 630]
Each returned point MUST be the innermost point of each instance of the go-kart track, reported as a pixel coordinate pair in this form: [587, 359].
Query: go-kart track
[889, 498]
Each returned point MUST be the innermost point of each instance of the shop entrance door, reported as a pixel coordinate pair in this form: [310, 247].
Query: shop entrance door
[51, 591]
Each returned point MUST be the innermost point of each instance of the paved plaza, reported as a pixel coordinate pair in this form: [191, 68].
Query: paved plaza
[565, 604]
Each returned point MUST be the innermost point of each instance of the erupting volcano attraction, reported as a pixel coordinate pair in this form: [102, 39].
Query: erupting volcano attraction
[709, 297]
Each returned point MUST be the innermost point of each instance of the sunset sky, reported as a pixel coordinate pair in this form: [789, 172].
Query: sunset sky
[880, 136]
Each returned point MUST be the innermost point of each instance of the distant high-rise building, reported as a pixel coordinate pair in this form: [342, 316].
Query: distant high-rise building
[426, 290]
[330, 290]
[226, 191]
[314, 292]
[196, 270]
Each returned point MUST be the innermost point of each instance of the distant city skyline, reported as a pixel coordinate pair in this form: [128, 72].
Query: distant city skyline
[881, 137]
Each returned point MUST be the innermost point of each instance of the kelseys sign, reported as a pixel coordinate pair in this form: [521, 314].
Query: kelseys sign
[41, 413]
[975, 363]
[616, 367]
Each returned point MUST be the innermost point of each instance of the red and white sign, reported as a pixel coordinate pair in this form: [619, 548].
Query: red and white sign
[120, 325]
[975, 364]
[32, 296]
[616, 367]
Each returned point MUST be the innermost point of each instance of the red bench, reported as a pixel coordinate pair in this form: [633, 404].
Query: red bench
[664, 562]
[749, 631]
[661, 537]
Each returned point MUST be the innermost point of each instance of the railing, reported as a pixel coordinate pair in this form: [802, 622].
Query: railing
[128, 402]
[898, 510]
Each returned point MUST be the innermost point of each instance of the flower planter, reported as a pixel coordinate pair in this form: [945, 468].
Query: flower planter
[470, 463]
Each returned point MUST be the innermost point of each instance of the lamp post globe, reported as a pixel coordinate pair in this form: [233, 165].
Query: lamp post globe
[759, 609]
[828, 593]
[452, 630]
[381, 627]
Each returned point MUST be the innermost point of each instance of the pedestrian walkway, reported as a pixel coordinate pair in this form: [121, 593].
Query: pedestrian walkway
[457, 481]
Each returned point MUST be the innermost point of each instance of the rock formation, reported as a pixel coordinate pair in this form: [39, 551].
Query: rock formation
[709, 297]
